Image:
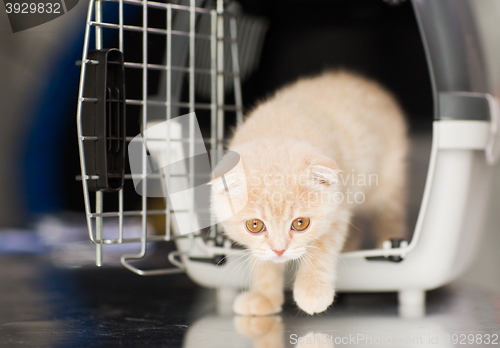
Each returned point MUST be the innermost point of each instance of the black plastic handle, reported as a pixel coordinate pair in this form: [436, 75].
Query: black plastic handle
[103, 119]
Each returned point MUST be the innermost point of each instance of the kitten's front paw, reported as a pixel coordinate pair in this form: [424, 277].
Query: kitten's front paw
[248, 303]
[313, 299]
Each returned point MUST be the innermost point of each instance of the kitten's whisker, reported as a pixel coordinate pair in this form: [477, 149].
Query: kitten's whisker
[311, 268]
[291, 268]
[245, 252]
[316, 259]
[347, 265]
[316, 262]
[248, 272]
[234, 268]
[251, 261]
[238, 251]
[244, 265]
[349, 222]
[227, 278]
[309, 264]
[225, 258]
[255, 262]
[322, 249]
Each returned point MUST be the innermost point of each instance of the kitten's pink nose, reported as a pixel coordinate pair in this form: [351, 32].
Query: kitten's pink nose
[279, 252]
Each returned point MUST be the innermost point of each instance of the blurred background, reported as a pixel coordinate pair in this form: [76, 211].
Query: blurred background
[40, 200]
[38, 95]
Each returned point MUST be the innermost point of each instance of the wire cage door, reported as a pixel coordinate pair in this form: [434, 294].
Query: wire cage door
[126, 90]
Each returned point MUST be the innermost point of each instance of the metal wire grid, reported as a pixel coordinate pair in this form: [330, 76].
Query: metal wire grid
[216, 106]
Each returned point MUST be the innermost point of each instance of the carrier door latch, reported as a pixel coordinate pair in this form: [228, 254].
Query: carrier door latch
[388, 245]
[103, 119]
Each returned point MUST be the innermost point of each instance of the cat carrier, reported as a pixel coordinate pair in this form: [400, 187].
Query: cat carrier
[170, 107]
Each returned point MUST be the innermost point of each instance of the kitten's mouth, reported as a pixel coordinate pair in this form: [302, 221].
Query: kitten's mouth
[273, 258]
[278, 258]
[281, 259]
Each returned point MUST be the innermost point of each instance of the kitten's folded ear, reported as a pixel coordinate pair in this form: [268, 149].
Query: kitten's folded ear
[229, 175]
[322, 170]
[229, 192]
[232, 182]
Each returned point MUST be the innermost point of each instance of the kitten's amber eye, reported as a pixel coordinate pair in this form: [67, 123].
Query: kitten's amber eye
[255, 225]
[301, 223]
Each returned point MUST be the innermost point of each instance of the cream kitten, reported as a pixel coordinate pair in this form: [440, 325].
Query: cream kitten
[316, 152]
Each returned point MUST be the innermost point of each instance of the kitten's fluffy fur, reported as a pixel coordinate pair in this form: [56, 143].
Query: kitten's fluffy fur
[299, 149]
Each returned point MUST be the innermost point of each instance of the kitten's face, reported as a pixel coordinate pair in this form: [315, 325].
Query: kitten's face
[290, 188]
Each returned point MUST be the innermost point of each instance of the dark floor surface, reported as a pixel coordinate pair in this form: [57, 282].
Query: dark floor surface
[43, 306]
